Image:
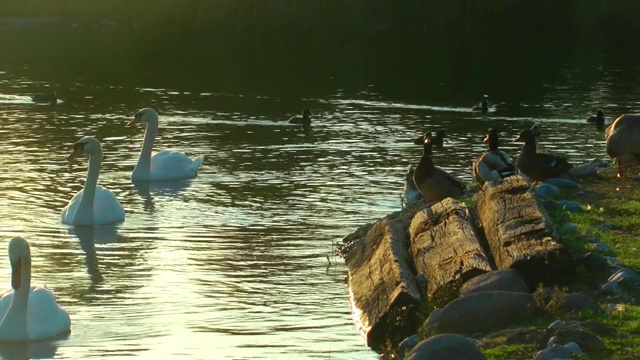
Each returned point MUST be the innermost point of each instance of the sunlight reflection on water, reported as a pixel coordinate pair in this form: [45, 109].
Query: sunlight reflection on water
[236, 257]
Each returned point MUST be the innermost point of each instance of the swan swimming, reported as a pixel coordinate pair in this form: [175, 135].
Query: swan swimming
[28, 313]
[100, 206]
[163, 165]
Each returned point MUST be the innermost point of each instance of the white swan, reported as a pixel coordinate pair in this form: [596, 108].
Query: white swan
[163, 165]
[28, 313]
[100, 206]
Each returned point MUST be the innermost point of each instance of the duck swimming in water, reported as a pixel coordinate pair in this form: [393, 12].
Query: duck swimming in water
[304, 120]
[51, 98]
[597, 119]
[483, 106]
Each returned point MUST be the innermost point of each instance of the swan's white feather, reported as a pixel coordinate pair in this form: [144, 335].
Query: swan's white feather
[106, 207]
[45, 318]
[173, 165]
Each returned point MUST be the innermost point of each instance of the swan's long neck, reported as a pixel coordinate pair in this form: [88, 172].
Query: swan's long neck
[143, 168]
[84, 214]
[13, 326]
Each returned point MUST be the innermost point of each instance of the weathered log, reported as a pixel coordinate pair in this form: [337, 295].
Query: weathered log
[520, 232]
[382, 287]
[446, 249]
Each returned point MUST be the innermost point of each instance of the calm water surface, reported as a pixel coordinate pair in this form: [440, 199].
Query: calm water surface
[238, 262]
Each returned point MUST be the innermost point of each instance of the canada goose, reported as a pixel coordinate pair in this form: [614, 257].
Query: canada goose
[623, 140]
[433, 182]
[597, 119]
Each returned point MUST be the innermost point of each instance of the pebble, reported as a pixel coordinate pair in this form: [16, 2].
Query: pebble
[566, 351]
[562, 183]
[406, 345]
[570, 205]
[570, 228]
[601, 247]
[545, 191]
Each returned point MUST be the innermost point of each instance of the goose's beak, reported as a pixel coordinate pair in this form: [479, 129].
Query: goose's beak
[16, 274]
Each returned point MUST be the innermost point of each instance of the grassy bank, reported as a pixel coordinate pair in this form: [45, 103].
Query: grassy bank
[611, 212]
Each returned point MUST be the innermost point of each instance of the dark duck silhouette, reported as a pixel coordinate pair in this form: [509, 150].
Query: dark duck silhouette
[433, 182]
[623, 141]
[597, 119]
[493, 163]
[437, 140]
[304, 120]
[483, 106]
[537, 165]
[51, 98]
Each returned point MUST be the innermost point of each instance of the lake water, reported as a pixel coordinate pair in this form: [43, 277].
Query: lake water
[238, 263]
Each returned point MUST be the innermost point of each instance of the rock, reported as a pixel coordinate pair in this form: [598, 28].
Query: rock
[562, 183]
[589, 238]
[574, 304]
[570, 205]
[381, 282]
[545, 191]
[406, 345]
[505, 280]
[588, 169]
[446, 249]
[601, 247]
[594, 262]
[446, 347]
[624, 283]
[521, 234]
[568, 351]
[585, 339]
[569, 228]
[483, 312]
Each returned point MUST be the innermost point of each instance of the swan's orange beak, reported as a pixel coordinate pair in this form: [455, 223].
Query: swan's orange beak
[16, 274]
[77, 151]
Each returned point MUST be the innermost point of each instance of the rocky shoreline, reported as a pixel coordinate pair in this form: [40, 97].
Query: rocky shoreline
[446, 280]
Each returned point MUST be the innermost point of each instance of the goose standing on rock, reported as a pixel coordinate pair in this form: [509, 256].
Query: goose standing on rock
[623, 140]
[538, 166]
[28, 313]
[165, 164]
[94, 204]
[305, 120]
[493, 163]
[434, 183]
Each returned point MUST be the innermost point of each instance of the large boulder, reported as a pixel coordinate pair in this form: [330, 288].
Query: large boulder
[446, 347]
[499, 280]
[483, 312]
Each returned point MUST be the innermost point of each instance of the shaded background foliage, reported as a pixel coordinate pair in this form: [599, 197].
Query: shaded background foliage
[436, 49]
